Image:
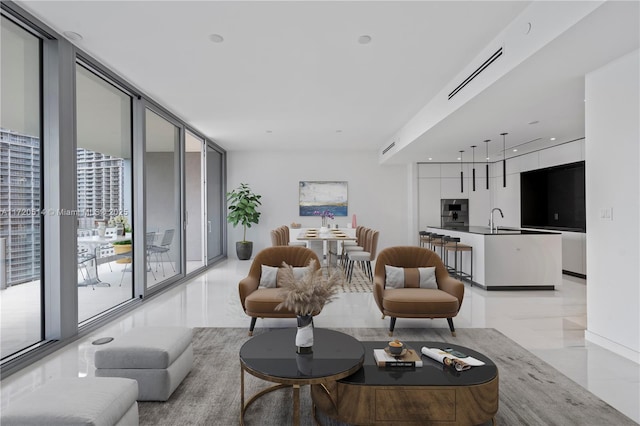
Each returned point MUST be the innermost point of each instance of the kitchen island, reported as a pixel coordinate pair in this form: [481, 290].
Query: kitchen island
[509, 259]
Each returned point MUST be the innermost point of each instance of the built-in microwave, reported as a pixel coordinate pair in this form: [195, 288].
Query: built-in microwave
[454, 212]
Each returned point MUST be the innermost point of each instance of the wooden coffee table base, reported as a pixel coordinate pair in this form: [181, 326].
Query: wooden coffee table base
[408, 405]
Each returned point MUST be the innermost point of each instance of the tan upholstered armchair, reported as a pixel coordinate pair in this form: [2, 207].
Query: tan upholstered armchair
[259, 302]
[411, 301]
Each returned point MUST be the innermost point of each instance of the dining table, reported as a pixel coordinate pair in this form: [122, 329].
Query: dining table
[329, 241]
[95, 242]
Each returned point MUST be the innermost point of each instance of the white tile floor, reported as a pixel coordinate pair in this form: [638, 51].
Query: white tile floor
[550, 324]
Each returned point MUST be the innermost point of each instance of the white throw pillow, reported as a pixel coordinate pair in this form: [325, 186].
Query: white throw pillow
[299, 272]
[395, 277]
[428, 277]
[268, 276]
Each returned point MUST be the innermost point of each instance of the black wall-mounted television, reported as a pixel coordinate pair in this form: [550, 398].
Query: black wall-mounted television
[554, 198]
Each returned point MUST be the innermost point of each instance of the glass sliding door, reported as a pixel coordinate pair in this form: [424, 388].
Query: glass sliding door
[104, 188]
[20, 190]
[194, 202]
[215, 204]
[162, 199]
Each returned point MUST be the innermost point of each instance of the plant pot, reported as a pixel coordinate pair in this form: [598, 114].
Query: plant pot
[244, 249]
[121, 249]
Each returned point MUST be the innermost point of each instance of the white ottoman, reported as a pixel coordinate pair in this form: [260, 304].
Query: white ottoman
[159, 358]
[74, 401]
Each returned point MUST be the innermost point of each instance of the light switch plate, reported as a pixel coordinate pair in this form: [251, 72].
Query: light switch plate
[606, 213]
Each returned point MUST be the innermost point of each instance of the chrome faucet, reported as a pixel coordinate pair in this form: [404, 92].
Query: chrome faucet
[492, 223]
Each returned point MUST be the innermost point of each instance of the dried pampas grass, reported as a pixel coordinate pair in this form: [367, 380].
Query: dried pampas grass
[310, 293]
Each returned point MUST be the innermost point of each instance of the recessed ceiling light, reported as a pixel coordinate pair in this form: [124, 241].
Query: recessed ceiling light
[488, 158]
[364, 39]
[534, 122]
[553, 139]
[338, 131]
[269, 131]
[216, 38]
[459, 158]
[73, 36]
[430, 158]
[515, 150]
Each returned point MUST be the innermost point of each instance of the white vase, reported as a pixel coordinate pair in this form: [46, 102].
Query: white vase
[324, 229]
[304, 334]
[102, 229]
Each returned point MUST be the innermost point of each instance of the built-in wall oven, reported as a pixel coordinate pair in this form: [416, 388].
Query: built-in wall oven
[455, 213]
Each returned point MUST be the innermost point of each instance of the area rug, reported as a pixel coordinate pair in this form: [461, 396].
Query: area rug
[531, 391]
[359, 281]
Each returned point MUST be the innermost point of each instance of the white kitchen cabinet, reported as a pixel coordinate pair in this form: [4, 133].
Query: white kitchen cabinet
[574, 252]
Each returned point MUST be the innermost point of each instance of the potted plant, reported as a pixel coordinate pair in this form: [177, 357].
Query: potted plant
[306, 296]
[243, 205]
[122, 247]
[121, 223]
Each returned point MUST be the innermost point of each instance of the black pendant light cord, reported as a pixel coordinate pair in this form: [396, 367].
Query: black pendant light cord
[504, 160]
[461, 174]
[473, 162]
[487, 157]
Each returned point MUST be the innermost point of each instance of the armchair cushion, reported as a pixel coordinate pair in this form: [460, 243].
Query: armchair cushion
[397, 277]
[270, 276]
[265, 301]
[419, 302]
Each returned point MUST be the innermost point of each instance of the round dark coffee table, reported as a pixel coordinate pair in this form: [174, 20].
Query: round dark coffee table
[431, 394]
[272, 356]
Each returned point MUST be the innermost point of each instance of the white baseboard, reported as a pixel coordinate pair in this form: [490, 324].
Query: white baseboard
[614, 347]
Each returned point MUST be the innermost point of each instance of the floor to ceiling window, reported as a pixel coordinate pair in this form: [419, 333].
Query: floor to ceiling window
[66, 120]
[20, 190]
[104, 182]
[195, 238]
[162, 199]
[215, 204]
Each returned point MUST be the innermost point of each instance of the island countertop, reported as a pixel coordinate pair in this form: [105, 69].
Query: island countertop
[512, 259]
[484, 230]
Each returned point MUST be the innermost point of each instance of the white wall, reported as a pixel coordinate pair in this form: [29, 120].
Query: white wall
[378, 195]
[612, 178]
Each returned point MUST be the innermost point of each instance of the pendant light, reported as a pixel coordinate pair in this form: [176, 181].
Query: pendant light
[473, 162]
[461, 173]
[486, 142]
[504, 160]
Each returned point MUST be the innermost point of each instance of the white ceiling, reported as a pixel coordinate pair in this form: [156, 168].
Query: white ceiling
[292, 75]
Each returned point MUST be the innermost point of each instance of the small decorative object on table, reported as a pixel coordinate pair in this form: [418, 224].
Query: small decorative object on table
[325, 215]
[102, 229]
[121, 223]
[306, 296]
[449, 357]
[396, 347]
[407, 357]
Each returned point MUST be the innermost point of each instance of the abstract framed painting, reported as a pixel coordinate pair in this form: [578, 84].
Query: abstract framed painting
[318, 196]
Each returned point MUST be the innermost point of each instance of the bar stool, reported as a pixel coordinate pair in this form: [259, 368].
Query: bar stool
[438, 240]
[424, 238]
[454, 245]
[450, 244]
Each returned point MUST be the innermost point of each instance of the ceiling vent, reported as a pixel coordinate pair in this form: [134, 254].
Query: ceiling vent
[474, 74]
[384, 151]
